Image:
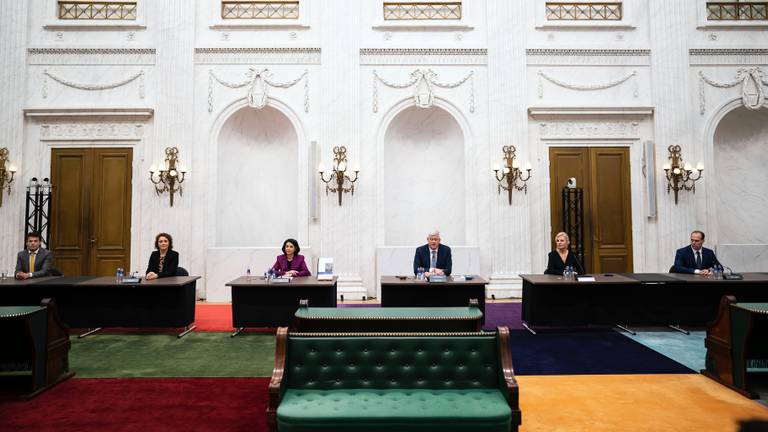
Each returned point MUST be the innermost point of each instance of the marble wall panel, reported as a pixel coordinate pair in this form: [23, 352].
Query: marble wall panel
[740, 159]
[424, 177]
[257, 179]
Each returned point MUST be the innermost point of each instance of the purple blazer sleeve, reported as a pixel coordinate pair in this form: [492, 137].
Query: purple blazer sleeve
[299, 264]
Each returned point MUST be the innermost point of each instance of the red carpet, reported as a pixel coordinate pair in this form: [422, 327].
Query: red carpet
[213, 317]
[143, 404]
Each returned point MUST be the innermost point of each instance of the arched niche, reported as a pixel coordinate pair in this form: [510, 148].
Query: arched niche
[424, 181]
[740, 157]
[257, 179]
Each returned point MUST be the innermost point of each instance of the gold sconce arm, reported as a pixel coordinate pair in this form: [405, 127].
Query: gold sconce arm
[338, 176]
[680, 177]
[7, 172]
[170, 175]
[509, 176]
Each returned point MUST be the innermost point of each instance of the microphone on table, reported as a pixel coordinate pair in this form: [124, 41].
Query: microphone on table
[731, 275]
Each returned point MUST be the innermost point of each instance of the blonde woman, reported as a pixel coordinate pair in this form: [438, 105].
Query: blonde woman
[562, 256]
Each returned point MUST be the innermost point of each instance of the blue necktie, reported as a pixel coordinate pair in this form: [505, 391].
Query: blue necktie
[698, 260]
[433, 262]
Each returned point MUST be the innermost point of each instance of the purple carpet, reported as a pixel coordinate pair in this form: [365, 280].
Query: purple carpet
[503, 314]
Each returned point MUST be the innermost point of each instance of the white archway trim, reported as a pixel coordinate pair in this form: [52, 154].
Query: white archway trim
[708, 140]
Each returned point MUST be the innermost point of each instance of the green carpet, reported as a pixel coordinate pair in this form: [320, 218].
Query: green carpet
[160, 355]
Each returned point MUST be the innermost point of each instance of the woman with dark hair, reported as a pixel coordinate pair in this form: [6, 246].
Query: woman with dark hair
[290, 263]
[164, 260]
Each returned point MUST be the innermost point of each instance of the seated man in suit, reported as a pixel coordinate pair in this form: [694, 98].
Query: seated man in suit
[695, 259]
[33, 261]
[433, 256]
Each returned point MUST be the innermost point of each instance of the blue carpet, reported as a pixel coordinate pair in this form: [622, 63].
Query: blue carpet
[586, 352]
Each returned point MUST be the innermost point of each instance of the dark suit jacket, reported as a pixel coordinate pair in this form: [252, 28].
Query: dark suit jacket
[43, 262]
[444, 261]
[685, 260]
[556, 266]
[169, 266]
[282, 265]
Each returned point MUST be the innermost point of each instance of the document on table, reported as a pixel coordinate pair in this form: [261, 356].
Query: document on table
[586, 279]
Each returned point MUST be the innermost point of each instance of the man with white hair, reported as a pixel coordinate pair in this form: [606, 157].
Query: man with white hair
[433, 257]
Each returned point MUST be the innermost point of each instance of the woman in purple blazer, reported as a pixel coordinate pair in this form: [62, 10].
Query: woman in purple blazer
[290, 263]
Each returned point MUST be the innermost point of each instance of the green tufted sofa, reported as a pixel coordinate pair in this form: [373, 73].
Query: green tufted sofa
[387, 382]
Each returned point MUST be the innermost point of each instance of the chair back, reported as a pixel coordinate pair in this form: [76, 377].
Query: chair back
[181, 271]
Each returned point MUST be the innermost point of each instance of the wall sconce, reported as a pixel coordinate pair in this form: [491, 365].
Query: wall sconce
[170, 176]
[511, 174]
[339, 174]
[6, 174]
[680, 177]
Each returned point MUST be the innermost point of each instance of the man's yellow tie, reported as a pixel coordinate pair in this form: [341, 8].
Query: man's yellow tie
[32, 263]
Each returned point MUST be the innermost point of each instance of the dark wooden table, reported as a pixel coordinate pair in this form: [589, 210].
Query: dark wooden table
[640, 299]
[409, 292]
[96, 302]
[257, 303]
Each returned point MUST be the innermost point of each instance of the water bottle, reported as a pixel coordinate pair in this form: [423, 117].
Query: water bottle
[420, 273]
[718, 271]
[119, 275]
[248, 273]
[567, 273]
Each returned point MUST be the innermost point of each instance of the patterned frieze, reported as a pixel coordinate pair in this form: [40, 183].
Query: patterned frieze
[89, 131]
[589, 57]
[427, 56]
[91, 56]
[726, 56]
[589, 130]
[262, 56]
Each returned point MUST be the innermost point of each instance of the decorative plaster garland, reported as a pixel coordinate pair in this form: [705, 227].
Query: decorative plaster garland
[751, 80]
[423, 94]
[92, 87]
[260, 80]
[585, 87]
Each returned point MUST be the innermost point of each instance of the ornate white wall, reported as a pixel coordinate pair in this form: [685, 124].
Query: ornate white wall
[181, 76]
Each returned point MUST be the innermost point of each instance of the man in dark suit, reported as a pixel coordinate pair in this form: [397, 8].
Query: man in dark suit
[434, 257]
[34, 261]
[695, 259]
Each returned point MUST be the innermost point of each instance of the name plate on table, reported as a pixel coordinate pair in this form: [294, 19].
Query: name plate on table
[131, 281]
[280, 280]
[438, 279]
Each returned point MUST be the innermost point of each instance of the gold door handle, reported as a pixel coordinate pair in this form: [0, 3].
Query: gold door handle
[93, 242]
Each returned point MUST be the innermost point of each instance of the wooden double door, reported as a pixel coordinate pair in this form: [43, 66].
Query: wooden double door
[604, 175]
[91, 210]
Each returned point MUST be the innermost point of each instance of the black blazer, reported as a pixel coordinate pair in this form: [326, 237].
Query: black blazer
[556, 266]
[444, 261]
[685, 261]
[169, 266]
